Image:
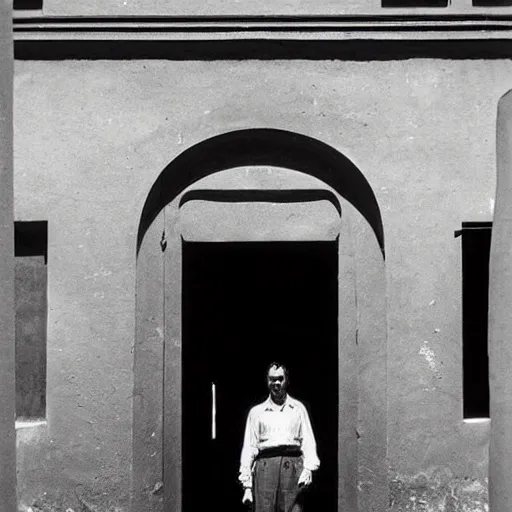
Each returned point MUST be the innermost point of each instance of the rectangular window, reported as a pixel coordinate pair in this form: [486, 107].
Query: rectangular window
[31, 306]
[476, 244]
[27, 5]
[414, 3]
[492, 3]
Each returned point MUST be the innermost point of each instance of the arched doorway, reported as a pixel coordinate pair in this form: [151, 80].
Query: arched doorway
[162, 332]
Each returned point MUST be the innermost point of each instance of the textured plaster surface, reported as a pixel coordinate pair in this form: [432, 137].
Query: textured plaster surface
[247, 7]
[7, 350]
[438, 490]
[92, 137]
[500, 280]
[211, 7]
[211, 221]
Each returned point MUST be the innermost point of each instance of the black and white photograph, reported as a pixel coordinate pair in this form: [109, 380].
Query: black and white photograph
[256, 256]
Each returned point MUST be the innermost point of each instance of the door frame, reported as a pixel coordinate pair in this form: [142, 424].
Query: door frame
[312, 308]
[362, 389]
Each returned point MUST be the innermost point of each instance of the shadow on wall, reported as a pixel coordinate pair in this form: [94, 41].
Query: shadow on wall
[262, 146]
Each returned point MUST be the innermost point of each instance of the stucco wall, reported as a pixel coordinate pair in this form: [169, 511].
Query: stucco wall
[212, 7]
[90, 140]
[7, 364]
[250, 8]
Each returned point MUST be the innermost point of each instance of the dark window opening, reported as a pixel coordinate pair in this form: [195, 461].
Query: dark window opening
[31, 305]
[492, 3]
[27, 5]
[476, 244]
[414, 3]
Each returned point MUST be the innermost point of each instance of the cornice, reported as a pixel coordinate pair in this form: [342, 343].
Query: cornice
[363, 37]
[222, 27]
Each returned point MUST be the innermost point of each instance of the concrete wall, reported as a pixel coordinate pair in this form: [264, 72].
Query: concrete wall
[7, 365]
[250, 7]
[90, 140]
[499, 324]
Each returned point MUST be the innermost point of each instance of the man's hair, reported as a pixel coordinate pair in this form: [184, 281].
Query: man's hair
[277, 365]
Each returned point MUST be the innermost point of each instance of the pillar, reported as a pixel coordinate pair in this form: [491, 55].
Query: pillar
[500, 320]
[7, 385]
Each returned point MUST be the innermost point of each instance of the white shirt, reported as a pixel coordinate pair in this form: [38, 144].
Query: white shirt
[270, 425]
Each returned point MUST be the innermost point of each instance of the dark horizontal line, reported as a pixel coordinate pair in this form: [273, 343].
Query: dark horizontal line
[399, 18]
[262, 49]
[266, 28]
[248, 243]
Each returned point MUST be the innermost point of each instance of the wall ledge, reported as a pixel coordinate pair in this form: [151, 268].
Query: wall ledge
[21, 424]
[169, 28]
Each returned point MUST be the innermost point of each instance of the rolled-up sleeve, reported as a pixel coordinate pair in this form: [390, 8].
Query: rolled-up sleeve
[311, 460]
[249, 450]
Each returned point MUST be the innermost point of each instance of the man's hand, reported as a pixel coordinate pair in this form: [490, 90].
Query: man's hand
[247, 496]
[305, 478]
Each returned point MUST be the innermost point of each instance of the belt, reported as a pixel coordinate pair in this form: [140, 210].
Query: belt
[279, 451]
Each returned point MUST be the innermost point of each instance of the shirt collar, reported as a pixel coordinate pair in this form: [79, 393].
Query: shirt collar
[270, 405]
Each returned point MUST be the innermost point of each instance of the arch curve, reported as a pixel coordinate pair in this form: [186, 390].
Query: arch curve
[263, 146]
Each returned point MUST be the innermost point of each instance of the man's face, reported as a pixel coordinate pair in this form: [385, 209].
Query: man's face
[276, 381]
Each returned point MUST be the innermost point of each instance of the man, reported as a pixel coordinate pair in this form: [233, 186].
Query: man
[279, 451]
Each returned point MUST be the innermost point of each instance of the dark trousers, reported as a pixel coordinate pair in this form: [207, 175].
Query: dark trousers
[275, 484]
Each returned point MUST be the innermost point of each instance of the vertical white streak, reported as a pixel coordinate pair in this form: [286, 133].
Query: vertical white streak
[214, 433]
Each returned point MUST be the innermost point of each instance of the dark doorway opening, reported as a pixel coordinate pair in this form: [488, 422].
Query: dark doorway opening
[476, 246]
[246, 304]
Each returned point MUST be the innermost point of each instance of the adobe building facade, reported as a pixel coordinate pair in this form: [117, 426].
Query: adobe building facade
[227, 183]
